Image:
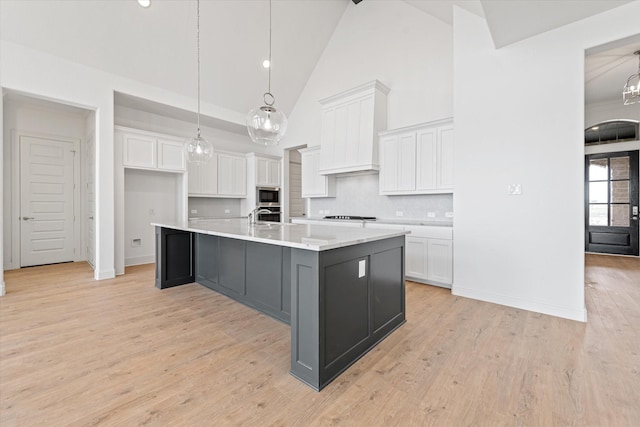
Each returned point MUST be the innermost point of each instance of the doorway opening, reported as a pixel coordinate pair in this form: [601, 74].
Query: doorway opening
[48, 188]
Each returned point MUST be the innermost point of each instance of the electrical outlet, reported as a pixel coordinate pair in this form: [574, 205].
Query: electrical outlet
[399, 213]
[194, 211]
[431, 214]
[514, 189]
[448, 214]
[321, 212]
[227, 211]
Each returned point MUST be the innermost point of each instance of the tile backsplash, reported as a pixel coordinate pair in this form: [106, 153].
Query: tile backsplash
[206, 207]
[358, 195]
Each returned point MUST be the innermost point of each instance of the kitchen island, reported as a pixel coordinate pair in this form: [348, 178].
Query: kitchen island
[341, 290]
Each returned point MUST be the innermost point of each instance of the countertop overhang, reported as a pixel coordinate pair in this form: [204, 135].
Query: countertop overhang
[302, 236]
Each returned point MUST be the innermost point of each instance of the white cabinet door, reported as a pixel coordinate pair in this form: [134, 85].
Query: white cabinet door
[262, 171]
[445, 158]
[139, 151]
[407, 162]
[194, 179]
[232, 175]
[426, 155]
[171, 155]
[267, 172]
[389, 152]
[314, 184]
[274, 173]
[416, 257]
[209, 177]
[440, 261]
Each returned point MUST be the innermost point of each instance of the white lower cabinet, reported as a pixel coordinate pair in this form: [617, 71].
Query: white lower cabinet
[428, 253]
[440, 261]
[415, 259]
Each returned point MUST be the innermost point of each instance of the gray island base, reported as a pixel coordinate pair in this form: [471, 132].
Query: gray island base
[341, 294]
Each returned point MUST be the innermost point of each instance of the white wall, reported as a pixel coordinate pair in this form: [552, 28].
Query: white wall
[149, 197]
[406, 49]
[23, 117]
[409, 51]
[599, 112]
[22, 70]
[523, 123]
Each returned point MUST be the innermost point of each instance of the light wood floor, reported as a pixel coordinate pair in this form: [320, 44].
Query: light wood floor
[120, 352]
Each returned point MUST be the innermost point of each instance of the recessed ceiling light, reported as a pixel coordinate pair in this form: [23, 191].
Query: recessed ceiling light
[266, 63]
[144, 3]
[595, 128]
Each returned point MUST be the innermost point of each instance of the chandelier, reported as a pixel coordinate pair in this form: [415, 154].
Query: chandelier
[631, 91]
[199, 150]
[266, 125]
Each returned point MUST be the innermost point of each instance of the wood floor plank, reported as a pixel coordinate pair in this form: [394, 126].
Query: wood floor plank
[78, 352]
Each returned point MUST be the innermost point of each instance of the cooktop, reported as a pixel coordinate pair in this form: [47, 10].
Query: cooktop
[370, 218]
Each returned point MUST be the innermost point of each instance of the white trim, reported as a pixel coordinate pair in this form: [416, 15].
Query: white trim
[139, 260]
[105, 274]
[612, 148]
[14, 149]
[522, 303]
[3, 289]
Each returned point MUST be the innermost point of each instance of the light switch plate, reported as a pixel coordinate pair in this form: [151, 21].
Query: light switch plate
[362, 268]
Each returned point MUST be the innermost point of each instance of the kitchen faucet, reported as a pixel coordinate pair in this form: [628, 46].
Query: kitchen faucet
[254, 214]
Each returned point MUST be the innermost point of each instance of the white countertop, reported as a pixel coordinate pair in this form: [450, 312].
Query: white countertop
[407, 222]
[303, 236]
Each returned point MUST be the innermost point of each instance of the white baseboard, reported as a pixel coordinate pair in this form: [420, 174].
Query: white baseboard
[573, 314]
[138, 260]
[104, 274]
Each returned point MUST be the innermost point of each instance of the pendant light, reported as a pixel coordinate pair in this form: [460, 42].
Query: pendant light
[199, 150]
[266, 125]
[631, 91]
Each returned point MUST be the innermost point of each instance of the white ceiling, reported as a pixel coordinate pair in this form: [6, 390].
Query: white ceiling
[158, 44]
[607, 69]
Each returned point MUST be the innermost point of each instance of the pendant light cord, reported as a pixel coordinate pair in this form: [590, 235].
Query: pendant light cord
[198, 56]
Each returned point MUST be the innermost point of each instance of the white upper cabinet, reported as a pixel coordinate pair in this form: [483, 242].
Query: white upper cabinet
[232, 175]
[267, 170]
[203, 178]
[351, 121]
[417, 159]
[314, 184]
[147, 150]
[171, 155]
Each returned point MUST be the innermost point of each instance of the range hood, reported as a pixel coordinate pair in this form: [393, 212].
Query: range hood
[351, 121]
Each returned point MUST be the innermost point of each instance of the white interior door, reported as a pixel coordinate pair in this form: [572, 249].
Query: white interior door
[46, 201]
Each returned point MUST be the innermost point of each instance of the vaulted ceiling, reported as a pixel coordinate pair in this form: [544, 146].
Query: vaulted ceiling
[158, 44]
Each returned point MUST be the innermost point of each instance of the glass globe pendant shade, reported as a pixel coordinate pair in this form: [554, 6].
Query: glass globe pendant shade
[199, 150]
[266, 125]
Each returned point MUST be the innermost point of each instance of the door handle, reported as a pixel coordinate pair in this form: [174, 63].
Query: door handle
[26, 218]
